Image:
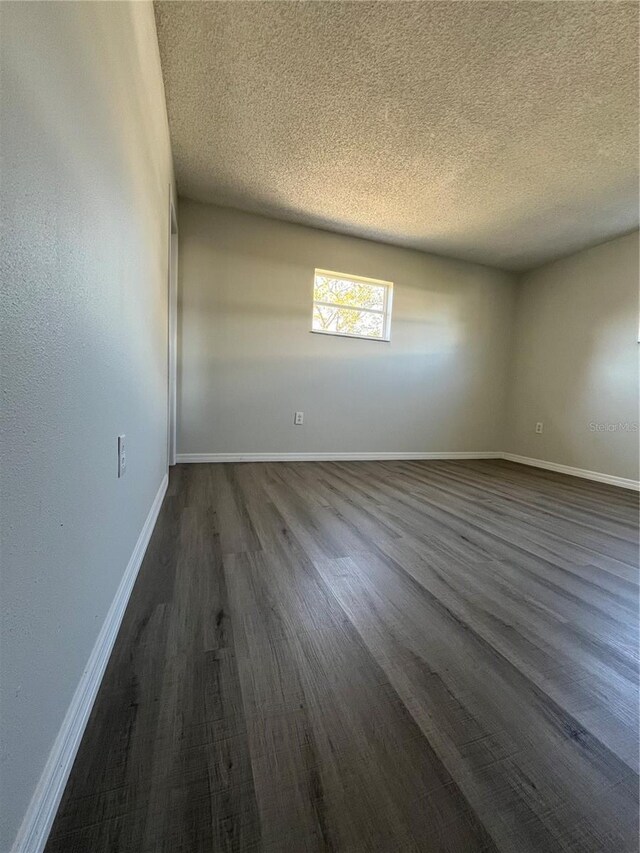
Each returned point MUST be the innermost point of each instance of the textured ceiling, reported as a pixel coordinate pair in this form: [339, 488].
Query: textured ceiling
[500, 132]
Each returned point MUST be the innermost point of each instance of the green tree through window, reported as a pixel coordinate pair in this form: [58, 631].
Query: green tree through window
[351, 305]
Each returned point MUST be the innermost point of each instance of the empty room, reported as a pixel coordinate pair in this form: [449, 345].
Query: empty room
[320, 401]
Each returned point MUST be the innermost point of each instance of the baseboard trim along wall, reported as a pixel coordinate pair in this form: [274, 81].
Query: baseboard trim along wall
[37, 822]
[334, 457]
[622, 482]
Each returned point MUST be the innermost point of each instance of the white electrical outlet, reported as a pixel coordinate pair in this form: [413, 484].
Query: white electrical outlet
[122, 457]
[298, 418]
[539, 427]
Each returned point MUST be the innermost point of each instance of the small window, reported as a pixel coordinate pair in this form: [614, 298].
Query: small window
[351, 305]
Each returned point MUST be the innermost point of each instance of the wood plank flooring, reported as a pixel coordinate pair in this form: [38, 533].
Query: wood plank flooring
[402, 656]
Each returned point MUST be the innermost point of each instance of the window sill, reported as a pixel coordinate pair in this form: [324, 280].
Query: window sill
[346, 335]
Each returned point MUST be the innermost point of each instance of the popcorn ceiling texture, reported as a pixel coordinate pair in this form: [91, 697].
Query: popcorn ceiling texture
[503, 133]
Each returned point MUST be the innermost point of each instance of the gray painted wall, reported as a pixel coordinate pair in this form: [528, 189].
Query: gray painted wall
[248, 360]
[85, 175]
[576, 360]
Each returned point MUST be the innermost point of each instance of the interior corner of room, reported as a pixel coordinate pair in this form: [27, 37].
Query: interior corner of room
[320, 380]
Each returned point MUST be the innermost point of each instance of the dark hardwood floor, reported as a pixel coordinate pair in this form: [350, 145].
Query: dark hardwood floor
[402, 656]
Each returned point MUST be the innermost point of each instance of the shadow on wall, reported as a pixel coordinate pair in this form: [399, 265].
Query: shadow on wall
[599, 403]
[246, 302]
[577, 365]
[381, 404]
[283, 328]
[85, 177]
[80, 175]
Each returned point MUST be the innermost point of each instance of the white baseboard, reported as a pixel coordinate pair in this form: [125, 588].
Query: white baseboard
[37, 822]
[622, 482]
[334, 457]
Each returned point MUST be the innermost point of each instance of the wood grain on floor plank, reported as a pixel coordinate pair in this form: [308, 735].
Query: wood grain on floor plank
[376, 656]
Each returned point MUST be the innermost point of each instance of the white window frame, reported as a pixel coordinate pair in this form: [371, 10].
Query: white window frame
[386, 308]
